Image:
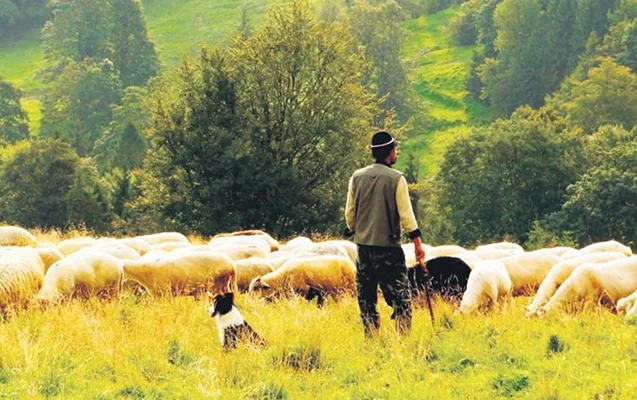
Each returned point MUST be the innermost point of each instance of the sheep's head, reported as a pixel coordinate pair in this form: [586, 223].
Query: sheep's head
[261, 287]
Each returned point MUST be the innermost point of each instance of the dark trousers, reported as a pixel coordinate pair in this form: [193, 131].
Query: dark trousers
[384, 266]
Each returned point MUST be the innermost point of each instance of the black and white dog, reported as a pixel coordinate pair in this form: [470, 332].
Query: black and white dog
[230, 323]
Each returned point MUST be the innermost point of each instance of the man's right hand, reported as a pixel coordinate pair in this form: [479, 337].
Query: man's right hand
[419, 252]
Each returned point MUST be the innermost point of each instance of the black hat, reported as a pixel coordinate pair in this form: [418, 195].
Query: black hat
[382, 139]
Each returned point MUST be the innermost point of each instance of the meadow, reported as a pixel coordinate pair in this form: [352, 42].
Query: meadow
[168, 348]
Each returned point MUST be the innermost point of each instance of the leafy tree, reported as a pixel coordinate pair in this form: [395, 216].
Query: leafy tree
[607, 96]
[34, 183]
[14, 121]
[133, 53]
[16, 15]
[86, 199]
[263, 134]
[78, 106]
[378, 28]
[123, 144]
[620, 44]
[500, 179]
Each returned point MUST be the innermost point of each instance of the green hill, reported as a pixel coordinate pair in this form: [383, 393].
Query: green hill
[439, 68]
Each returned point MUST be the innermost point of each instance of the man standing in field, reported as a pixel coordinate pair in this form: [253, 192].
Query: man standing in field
[377, 206]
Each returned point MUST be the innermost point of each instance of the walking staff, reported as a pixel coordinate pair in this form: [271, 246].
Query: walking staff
[377, 207]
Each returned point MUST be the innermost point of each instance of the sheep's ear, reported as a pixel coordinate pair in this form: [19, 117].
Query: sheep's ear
[264, 285]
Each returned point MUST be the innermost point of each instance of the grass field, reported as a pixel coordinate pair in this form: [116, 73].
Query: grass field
[439, 71]
[168, 349]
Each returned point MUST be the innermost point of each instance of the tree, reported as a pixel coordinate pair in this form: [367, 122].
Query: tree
[34, 183]
[86, 199]
[263, 134]
[14, 121]
[133, 53]
[501, 178]
[78, 106]
[378, 28]
[607, 96]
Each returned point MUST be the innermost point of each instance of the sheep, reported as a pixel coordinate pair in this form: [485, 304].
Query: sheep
[446, 250]
[82, 275]
[313, 276]
[240, 251]
[115, 249]
[562, 270]
[255, 233]
[139, 245]
[21, 276]
[70, 246]
[350, 248]
[49, 256]
[163, 237]
[295, 243]
[446, 276]
[279, 258]
[333, 248]
[528, 270]
[250, 268]
[170, 246]
[600, 247]
[488, 282]
[496, 254]
[500, 246]
[628, 305]
[16, 236]
[561, 250]
[191, 273]
[607, 282]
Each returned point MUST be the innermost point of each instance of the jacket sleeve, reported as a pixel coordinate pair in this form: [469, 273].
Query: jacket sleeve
[405, 211]
[349, 207]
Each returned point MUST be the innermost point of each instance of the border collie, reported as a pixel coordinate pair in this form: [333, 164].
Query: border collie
[230, 323]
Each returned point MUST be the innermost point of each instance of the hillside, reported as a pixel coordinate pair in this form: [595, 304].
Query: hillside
[438, 67]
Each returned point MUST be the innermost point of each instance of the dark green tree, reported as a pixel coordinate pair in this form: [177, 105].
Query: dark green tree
[78, 107]
[133, 53]
[14, 121]
[86, 199]
[500, 179]
[263, 134]
[34, 184]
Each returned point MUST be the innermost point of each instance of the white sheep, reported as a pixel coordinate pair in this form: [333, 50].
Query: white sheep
[560, 251]
[115, 249]
[70, 246]
[16, 236]
[21, 276]
[170, 246]
[83, 274]
[193, 273]
[485, 253]
[250, 268]
[607, 282]
[561, 271]
[312, 276]
[255, 233]
[628, 305]
[300, 241]
[500, 246]
[444, 251]
[488, 282]
[528, 270]
[49, 256]
[600, 247]
[163, 237]
[240, 251]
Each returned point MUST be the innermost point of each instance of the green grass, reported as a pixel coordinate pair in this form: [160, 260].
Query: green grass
[439, 72]
[168, 348]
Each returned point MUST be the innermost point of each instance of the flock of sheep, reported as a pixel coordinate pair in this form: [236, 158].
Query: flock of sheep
[167, 264]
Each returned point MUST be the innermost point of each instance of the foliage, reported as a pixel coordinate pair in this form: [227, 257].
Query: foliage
[263, 134]
[87, 200]
[541, 236]
[500, 179]
[601, 205]
[14, 122]
[463, 27]
[16, 15]
[78, 106]
[607, 96]
[378, 29]
[34, 183]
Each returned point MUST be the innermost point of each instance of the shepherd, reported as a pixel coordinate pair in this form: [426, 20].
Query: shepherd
[377, 207]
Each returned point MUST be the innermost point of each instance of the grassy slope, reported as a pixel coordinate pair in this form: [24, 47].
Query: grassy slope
[168, 348]
[439, 72]
[438, 75]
